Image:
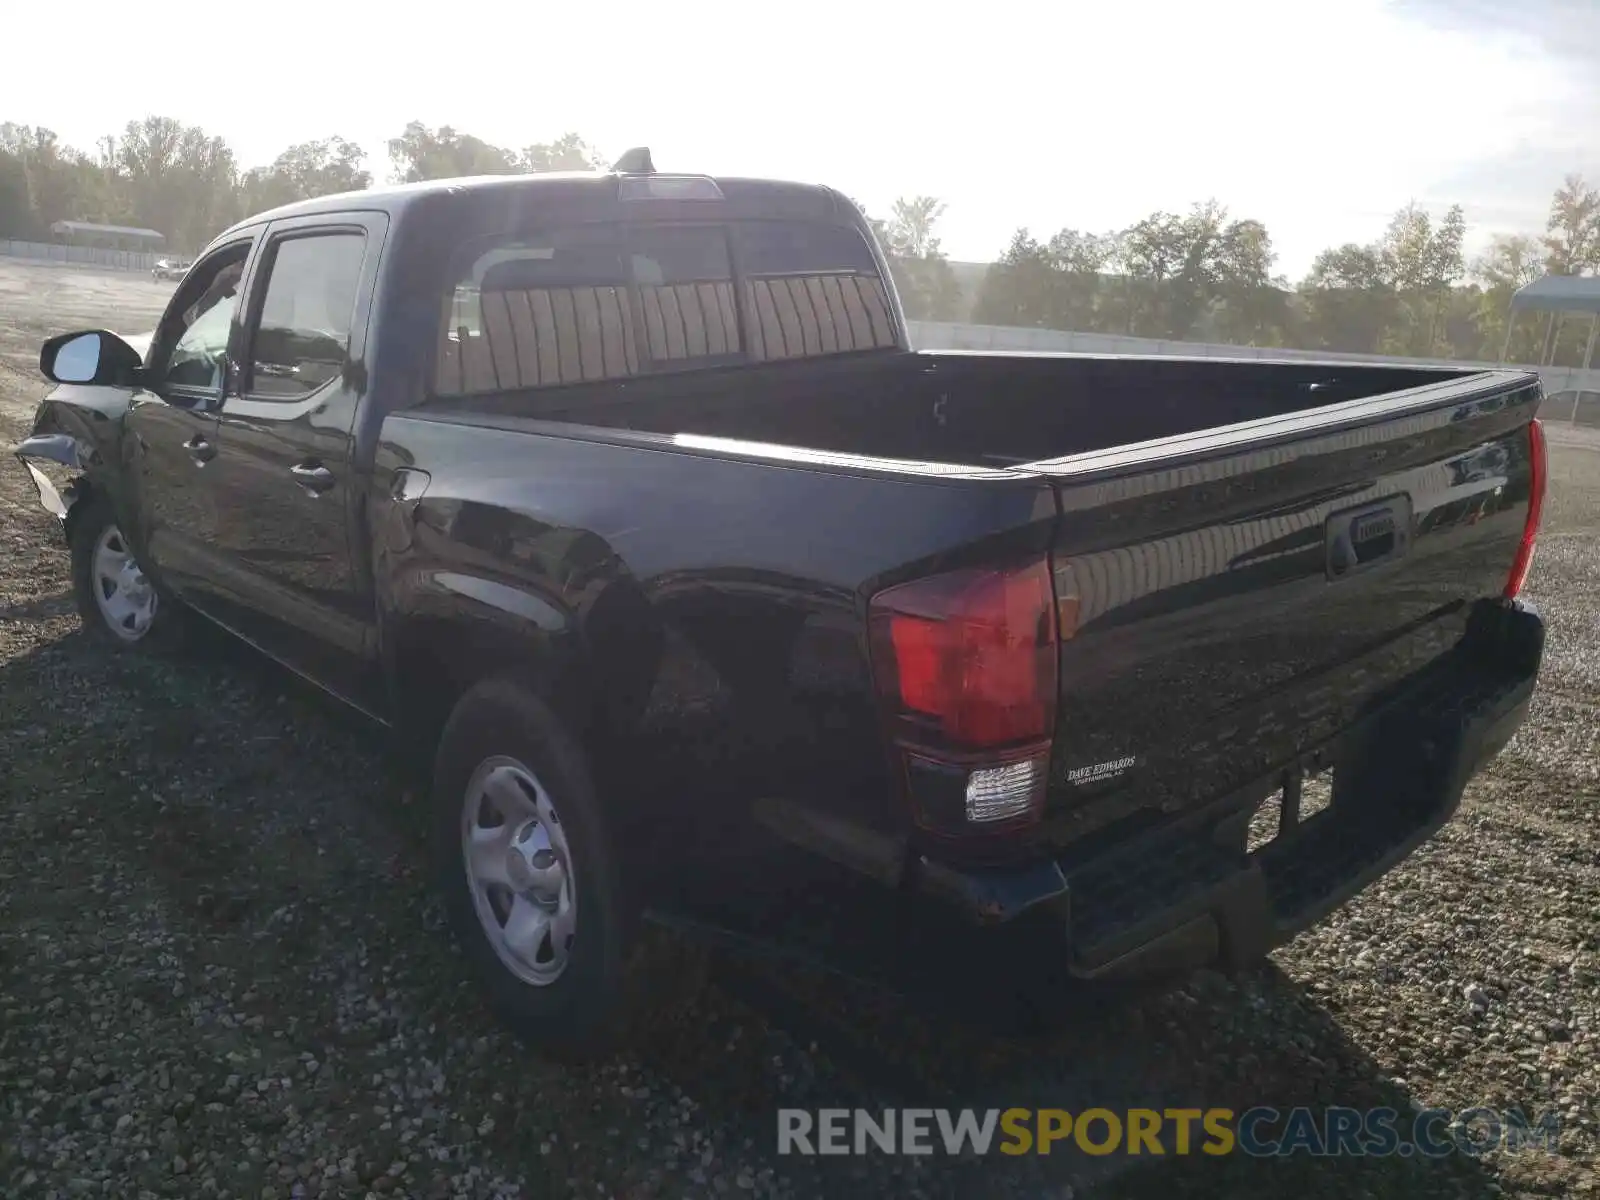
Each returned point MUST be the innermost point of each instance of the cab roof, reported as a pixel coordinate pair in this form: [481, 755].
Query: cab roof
[591, 195]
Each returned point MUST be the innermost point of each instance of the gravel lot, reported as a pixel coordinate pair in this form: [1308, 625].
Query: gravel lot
[222, 973]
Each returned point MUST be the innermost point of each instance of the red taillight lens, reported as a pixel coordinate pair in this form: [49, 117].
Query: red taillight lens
[1538, 474]
[965, 664]
[967, 660]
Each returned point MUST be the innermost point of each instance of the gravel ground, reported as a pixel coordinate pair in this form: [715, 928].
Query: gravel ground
[222, 972]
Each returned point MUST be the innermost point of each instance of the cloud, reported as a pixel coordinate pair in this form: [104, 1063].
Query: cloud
[1562, 29]
[1508, 188]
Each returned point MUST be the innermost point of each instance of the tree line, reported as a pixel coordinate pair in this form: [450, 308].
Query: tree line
[188, 185]
[1206, 277]
[1203, 275]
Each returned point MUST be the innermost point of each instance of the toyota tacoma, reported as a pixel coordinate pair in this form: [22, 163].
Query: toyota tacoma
[624, 501]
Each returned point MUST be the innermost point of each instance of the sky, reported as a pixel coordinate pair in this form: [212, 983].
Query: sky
[1318, 117]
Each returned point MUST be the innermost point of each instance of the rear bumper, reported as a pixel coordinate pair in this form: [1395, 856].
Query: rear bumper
[1190, 894]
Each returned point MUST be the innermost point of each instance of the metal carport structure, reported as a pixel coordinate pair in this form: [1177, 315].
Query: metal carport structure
[116, 237]
[1557, 295]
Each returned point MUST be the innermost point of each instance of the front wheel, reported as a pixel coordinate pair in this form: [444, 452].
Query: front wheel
[119, 604]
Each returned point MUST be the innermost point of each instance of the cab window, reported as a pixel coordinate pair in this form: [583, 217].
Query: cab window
[192, 351]
[300, 340]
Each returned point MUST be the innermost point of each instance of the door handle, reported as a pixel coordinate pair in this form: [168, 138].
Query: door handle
[314, 477]
[200, 450]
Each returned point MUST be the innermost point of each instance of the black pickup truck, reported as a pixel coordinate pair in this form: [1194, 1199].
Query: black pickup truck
[623, 498]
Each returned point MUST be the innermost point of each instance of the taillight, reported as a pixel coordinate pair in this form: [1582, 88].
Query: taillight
[1538, 474]
[965, 664]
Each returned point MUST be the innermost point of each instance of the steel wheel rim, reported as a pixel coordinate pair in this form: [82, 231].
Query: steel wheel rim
[125, 598]
[519, 870]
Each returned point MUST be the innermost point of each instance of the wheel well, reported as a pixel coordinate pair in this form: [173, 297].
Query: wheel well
[599, 678]
[84, 497]
[437, 661]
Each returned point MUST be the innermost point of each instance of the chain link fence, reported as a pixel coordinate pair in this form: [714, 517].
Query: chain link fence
[88, 256]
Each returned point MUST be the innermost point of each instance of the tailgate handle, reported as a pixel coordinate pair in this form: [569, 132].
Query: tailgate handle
[1363, 537]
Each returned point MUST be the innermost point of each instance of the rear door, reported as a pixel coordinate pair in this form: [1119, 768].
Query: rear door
[1223, 609]
[286, 499]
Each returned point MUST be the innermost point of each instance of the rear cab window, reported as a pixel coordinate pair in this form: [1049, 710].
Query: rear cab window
[606, 302]
[811, 290]
[538, 312]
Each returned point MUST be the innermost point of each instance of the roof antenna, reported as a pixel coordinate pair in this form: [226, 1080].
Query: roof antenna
[635, 162]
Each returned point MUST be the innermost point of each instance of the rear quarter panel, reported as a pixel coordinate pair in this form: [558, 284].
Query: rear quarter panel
[724, 594]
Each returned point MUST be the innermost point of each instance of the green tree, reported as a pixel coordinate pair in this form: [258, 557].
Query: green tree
[16, 206]
[446, 153]
[317, 168]
[1446, 268]
[1395, 296]
[569, 152]
[1078, 262]
[176, 178]
[422, 153]
[1017, 289]
[1572, 232]
[53, 178]
[1572, 247]
[1423, 263]
[1512, 261]
[1349, 299]
[1183, 276]
[18, 216]
[1061, 284]
[922, 275]
[1149, 256]
[1250, 306]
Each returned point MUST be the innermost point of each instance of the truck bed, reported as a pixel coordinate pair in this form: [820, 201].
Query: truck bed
[1190, 509]
[1212, 646]
[979, 409]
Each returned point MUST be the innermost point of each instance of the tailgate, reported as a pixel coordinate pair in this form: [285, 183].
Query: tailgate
[1230, 599]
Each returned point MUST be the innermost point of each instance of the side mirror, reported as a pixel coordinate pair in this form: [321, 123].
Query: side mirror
[95, 356]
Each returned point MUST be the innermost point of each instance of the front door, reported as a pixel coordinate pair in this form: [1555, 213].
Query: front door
[287, 501]
[171, 428]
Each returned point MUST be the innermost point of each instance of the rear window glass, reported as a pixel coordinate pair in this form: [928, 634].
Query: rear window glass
[594, 303]
[796, 247]
[685, 288]
[539, 312]
[810, 290]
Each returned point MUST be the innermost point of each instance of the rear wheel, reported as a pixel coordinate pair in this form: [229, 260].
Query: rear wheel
[530, 875]
[118, 602]
[520, 870]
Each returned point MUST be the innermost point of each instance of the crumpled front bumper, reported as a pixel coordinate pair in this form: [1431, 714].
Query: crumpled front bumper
[60, 449]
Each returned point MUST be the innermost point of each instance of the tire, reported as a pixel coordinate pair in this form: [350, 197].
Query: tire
[511, 780]
[120, 607]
